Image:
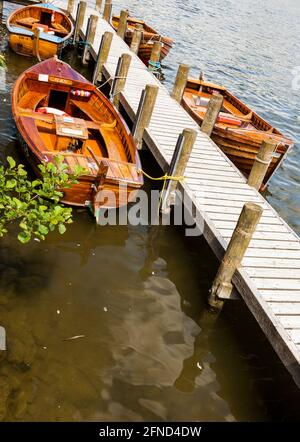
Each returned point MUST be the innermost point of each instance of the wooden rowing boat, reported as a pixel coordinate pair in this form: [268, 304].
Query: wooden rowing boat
[55, 27]
[57, 111]
[239, 131]
[149, 36]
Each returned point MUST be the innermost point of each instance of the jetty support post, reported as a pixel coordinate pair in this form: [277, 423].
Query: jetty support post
[154, 62]
[119, 81]
[102, 56]
[241, 237]
[70, 6]
[107, 10]
[144, 113]
[98, 5]
[81, 8]
[136, 38]
[180, 82]
[262, 163]
[180, 158]
[211, 115]
[35, 43]
[90, 37]
[122, 24]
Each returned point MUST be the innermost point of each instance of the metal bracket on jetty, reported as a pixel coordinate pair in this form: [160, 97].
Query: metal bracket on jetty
[259, 252]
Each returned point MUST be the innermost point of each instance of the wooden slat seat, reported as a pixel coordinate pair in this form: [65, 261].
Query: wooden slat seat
[112, 141]
[27, 21]
[31, 99]
[59, 28]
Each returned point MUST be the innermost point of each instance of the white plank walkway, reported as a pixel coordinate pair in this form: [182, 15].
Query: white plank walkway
[269, 281]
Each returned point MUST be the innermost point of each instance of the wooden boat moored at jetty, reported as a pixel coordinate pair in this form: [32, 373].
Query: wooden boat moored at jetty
[149, 36]
[57, 111]
[55, 27]
[239, 131]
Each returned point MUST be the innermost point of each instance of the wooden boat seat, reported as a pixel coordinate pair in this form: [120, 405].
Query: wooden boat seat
[30, 100]
[59, 28]
[112, 143]
[117, 170]
[27, 21]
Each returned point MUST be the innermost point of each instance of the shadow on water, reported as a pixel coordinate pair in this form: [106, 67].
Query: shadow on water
[132, 299]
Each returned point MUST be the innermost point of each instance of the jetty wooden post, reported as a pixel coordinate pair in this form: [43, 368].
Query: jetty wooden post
[261, 163]
[136, 38]
[180, 82]
[243, 232]
[122, 24]
[35, 43]
[107, 10]
[211, 115]
[144, 113]
[102, 55]
[90, 37]
[98, 5]
[155, 53]
[180, 158]
[120, 78]
[81, 8]
[70, 6]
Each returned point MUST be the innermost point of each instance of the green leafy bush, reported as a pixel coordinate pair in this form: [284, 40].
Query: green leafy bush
[35, 204]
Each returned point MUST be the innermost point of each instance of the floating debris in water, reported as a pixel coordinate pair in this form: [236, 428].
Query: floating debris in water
[72, 338]
[105, 309]
[199, 366]
[58, 312]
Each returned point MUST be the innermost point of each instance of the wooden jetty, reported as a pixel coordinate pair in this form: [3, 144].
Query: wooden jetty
[269, 278]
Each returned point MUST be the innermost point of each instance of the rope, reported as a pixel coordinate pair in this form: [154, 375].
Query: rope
[262, 161]
[163, 178]
[154, 64]
[111, 78]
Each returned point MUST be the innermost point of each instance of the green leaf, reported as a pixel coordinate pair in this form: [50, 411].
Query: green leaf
[21, 171]
[43, 229]
[35, 183]
[10, 184]
[24, 237]
[11, 162]
[61, 228]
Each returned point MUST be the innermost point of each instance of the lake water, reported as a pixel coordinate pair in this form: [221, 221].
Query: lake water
[149, 349]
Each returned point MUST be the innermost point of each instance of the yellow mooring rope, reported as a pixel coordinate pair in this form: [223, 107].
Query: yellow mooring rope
[163, 178]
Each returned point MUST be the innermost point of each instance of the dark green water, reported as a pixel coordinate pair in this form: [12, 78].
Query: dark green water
[150, 351]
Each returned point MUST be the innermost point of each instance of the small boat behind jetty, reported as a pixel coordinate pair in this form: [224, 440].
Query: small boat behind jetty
[149, 36]
[55, 27]
[239, 131]
[57, 111]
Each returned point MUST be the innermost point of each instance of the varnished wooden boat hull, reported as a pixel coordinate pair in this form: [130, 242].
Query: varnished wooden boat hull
[239, 144]
[20, 25]
[38, 132]
[149, 36]
[23, 45]
[146, 48]
[81, 194]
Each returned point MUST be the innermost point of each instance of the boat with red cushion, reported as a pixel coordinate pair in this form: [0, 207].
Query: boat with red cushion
[58, 111]
[239, 131]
